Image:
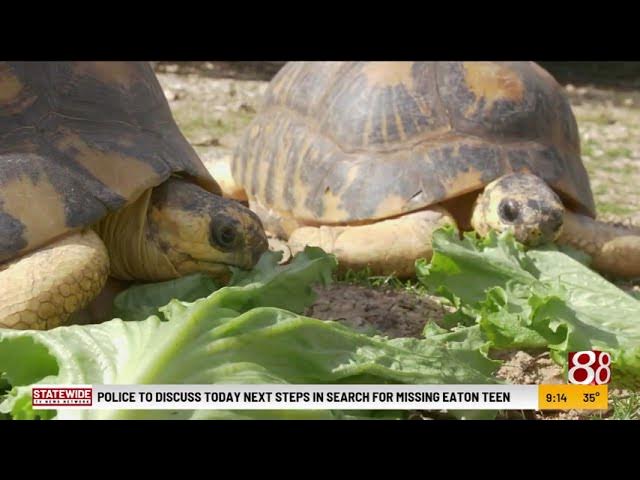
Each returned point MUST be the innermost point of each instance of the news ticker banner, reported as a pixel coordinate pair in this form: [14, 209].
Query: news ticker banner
[321, 397]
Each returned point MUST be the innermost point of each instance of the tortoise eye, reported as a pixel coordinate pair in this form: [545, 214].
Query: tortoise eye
[509, 210]
[225, 235]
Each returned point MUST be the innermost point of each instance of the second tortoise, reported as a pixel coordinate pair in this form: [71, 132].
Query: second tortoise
[367, 159]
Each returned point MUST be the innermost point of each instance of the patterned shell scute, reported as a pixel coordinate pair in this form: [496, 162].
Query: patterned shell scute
[340, 142]
[79, 140]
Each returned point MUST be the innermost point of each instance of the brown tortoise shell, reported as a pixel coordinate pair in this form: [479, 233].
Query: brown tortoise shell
[79, 140]
[341, 142]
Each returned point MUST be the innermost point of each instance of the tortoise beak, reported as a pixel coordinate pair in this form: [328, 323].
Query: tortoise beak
[256, 238]
[552, 225]
[259, 248]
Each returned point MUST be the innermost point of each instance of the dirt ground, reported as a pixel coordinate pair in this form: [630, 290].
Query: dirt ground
[213, 101]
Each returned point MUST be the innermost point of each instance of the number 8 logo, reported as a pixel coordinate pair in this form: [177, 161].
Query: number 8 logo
[604, 367]
[583, 362]
[583, 366]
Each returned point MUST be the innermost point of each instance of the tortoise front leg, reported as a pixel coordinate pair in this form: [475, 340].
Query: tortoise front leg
[614, 248]
[42, 289]
[387, 247]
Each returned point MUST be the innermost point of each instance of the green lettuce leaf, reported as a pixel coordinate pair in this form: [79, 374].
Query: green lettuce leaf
[142, 301]
[284, 286]
[207, 343]
[537, 298]
[233, 335]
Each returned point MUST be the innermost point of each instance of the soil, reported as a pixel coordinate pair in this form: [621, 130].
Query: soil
[388, 311]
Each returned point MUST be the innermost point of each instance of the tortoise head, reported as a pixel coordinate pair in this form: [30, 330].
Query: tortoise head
[202, 232]
[522, 203]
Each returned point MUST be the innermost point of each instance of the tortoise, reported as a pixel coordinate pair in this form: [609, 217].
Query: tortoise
[367, 159]
[97, 179]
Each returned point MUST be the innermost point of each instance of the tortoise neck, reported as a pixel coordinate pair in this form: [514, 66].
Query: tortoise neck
[133, 252]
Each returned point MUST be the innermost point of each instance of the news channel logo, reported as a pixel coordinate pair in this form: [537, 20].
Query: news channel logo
[589, 367]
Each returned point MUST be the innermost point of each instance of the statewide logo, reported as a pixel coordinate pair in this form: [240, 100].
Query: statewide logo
[589, 367]
[62, 396]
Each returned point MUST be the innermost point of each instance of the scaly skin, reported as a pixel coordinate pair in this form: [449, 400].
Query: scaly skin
[173, 230]
[614, 248]
[536, 215]
[520, 202]
[42, 289]
[387, 247]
